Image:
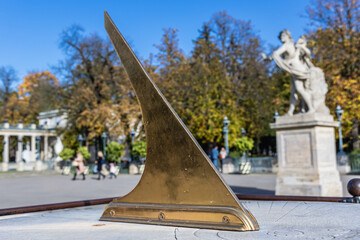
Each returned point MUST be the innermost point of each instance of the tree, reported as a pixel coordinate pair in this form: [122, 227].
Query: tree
[240, 49]
[96, 92]
[40, 91]
[337, 24]
[223, 76]
[7, 77]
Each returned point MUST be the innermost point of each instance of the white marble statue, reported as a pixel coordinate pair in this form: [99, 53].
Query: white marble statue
[58, 148]
[307, 80]
[26, 154]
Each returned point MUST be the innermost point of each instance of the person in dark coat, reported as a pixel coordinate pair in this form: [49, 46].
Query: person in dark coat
[100, 161]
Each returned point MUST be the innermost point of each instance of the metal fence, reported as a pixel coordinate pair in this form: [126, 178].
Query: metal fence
[354, 161]
[258, 164]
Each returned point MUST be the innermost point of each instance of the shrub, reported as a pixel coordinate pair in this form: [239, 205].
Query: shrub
[139, 150]
[356, 151]
[66, 154]
[84, 152]
[114, 151]
[243, 144]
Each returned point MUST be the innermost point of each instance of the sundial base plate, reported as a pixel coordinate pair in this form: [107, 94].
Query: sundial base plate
[209, 217]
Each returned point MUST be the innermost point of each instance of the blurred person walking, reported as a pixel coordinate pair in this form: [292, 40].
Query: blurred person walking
[100, 161]
[215, 155]
[112, 170]
[79, 164]
[222, 156]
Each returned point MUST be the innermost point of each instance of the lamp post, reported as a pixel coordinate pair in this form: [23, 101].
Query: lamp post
[103, 136]
[339, 112]
[132, 134]
[276, 115]
[80, 139]
[226, 131]
[243, 134]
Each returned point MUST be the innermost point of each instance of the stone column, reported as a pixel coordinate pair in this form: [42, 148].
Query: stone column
[19, 160]
[46, 150]
[33, 149]
[306, 155]
[38, 163]
[5, 163]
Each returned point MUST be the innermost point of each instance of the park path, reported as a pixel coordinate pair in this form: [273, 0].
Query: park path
[25, 189]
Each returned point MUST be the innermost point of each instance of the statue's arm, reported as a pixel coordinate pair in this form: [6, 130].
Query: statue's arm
[279, 60]
[307, 52]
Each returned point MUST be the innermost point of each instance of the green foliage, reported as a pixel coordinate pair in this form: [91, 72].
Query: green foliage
[337, 24]
[224, 76]
[69, 139]
[139, 150]
[235, 154]
[114, 151]
[356, 151]
[84, 152]
[243, 144]
[98, 93]
[66, 153]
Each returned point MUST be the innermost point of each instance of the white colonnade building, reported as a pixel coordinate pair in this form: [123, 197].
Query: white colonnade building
[30, 146]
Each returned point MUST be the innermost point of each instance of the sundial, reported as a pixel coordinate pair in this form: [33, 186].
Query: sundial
[179, 186]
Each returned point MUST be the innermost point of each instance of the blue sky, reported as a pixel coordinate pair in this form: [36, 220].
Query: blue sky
[29, 30]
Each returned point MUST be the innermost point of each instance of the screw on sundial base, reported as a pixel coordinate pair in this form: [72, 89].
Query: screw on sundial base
[353, 188]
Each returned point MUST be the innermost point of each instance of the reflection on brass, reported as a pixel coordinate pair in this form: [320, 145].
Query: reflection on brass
[112, 213]
[179, 186]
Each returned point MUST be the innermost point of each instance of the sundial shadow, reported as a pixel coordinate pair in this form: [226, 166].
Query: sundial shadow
[252, 190]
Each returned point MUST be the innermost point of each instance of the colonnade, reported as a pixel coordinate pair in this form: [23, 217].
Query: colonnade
[35, 135]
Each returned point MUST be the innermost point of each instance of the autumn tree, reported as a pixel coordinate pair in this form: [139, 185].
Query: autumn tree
[239, 52]
[335, 40]
[223, 76]
[96, 92]
[245, 82]
[40, 91]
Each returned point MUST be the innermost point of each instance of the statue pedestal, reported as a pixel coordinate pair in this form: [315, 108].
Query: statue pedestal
[228, 166]
[20, 166]
[306, 155]
[38, 166]
[4, 166]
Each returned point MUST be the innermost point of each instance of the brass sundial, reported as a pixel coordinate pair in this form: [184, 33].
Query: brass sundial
[179, 186]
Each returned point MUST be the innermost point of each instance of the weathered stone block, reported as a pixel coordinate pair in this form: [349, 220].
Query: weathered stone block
[307, 155]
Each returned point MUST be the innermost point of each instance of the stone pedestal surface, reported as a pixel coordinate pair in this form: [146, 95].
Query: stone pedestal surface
[343, 163]
[20, 166]
[228, 166]
[277, 220]
[133, 169]
[4, 166]
[307, 155]
[38, 166]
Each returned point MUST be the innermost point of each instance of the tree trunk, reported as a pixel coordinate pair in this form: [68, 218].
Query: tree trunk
[355, 135]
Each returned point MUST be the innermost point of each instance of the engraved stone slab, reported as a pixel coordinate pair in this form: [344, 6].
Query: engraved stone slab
[294, 146]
